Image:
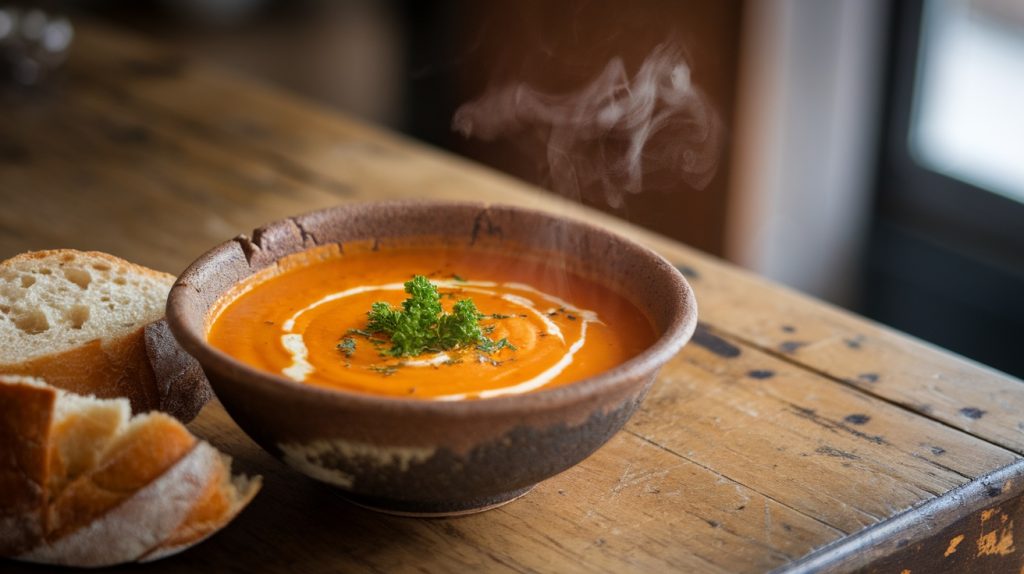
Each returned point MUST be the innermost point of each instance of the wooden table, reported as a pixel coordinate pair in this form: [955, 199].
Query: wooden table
[788, 435]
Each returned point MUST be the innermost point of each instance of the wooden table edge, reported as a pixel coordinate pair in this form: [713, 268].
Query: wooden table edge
[970, 522]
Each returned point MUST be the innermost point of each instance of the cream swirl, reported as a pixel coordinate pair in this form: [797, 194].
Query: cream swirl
[300, 367]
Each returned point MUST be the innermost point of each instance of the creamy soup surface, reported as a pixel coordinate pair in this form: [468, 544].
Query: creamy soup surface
[308, 323]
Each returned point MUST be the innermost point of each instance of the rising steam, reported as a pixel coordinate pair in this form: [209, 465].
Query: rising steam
[607, 136]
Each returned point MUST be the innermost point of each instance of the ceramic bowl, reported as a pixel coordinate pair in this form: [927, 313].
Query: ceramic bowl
[426, 457]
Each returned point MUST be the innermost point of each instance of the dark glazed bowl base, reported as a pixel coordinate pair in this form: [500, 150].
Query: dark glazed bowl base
[439, 509]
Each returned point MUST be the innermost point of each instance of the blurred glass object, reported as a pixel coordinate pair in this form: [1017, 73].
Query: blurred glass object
[968, 116]
[32, 44]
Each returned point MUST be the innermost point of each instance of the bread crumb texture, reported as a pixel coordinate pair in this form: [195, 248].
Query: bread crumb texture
[52, 301]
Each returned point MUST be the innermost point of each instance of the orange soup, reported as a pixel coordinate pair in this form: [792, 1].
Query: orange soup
[307, 320]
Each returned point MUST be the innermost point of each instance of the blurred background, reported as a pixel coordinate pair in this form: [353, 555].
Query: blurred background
[867, 152]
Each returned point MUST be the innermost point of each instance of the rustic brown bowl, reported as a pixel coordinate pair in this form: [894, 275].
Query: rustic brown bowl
[425, 457]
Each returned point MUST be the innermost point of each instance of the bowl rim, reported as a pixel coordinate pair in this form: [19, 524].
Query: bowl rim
[677, 333]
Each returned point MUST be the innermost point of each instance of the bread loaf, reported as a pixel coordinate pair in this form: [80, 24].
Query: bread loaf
[83, 483]
[93, 324]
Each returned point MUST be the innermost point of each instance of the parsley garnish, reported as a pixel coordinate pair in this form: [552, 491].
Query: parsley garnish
[347, 346]
[489, 346]
[422, 325]
[385, 370]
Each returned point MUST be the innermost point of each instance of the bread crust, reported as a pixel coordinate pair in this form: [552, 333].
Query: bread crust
[222, 500]
[26, 417]
[146, 366]
[155, 490]
[112, 259]
[130, 530]
[180, 385]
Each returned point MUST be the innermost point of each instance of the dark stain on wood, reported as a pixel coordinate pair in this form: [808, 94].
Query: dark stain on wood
[717, 345]
[835, 452]
[791, 346]
[857, 419]
[972, 412]
[687, 271]
[868, 377]
[788, 329]
[854, 342]
[761, 374]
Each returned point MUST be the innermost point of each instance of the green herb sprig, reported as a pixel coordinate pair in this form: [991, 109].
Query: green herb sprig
[421, 325]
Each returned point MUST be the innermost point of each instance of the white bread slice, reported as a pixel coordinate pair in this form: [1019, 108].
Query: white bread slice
[92, 323]
[83, 429]
[118, 489]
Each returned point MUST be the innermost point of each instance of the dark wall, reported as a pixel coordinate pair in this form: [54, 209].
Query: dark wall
[946, 259]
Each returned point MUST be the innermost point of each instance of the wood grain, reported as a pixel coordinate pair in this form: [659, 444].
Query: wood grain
[785, 425]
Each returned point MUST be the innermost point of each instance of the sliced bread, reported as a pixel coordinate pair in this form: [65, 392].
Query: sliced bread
[92, 323]
[85, 484]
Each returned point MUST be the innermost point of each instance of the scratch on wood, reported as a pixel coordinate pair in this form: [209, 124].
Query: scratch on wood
[944, 467]
[726, 480]
[622, 479]
[627, 480]
[832, 451]
[834, 426]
